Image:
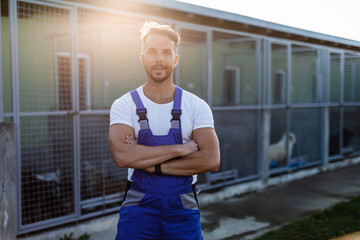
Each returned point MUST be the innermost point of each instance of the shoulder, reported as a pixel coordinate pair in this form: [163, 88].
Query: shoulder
[190, 97]
[194, 102]
[199, 110]
[122, 110]
[124, 104]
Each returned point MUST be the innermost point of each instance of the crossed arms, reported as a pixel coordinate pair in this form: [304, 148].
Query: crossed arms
[200, 155]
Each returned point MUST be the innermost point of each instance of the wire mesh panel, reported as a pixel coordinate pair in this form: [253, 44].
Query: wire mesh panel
[45, 85]
[335, 77]
[237, 133]
[279, 138]
[64, 83]
[304, 63]
[279, 69]
[110, 45]
[193, 61]
[42, 31]
[306, 125]
[235, 66]
[99, 174]
[84, 82]
[352, 78]
[8, 119]
[334, 131]
[47, 168]
[351, 130]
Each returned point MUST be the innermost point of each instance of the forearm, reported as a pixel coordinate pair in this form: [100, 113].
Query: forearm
[140, 157]
[195, 163]
[207, 159]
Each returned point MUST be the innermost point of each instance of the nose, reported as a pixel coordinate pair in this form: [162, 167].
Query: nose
[160, 58]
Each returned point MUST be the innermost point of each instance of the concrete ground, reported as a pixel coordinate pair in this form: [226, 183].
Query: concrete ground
[249, 215]
[351, 236]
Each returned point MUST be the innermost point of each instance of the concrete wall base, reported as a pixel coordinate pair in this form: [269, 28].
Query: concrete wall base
[258, 185]
[8, 182]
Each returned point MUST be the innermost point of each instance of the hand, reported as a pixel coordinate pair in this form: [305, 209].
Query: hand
[189, 148]
[150, 169]
[130, 140]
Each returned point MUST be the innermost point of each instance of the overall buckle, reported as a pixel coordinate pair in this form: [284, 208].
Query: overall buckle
[142, 114]
[176, 114]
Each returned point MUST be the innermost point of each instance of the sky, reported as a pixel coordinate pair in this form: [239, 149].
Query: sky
[339, 18]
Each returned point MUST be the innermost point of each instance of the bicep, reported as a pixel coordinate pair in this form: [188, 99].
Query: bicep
[118, 132]
[206, 139]
[117, 142]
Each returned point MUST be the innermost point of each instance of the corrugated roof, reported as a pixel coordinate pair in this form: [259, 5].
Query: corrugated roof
[227, 16]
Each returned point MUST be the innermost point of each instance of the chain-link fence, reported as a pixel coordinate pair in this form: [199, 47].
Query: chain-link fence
[73, 61]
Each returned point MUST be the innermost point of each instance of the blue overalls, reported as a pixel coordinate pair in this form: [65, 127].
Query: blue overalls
[159, 206]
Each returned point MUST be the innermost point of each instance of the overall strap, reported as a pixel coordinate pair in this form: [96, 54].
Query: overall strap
[176, 111]
[140, 110]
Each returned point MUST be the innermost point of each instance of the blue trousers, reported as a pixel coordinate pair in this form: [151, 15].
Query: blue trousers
[154, 215]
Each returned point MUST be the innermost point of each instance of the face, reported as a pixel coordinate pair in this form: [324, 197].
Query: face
[159, 57]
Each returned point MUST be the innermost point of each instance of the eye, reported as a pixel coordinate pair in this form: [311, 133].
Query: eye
[168, 52]
[151, 51]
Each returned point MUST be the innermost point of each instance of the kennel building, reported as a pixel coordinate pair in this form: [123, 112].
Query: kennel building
[284, 99]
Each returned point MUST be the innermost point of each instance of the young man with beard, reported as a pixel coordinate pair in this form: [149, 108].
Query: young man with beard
[165, 136]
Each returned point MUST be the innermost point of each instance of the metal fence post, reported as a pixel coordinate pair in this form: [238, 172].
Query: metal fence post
[265, 139]
[325, 74]
[209, 65]
[76, 109]
[1, 78]
[14, 68]
[266, 116]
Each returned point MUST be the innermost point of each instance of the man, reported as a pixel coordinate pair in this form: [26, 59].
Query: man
[165, 136]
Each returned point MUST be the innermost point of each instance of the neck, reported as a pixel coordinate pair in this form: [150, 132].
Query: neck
[159, 92]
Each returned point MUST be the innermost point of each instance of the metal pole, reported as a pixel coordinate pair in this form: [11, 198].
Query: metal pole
[288, 102]
[325, 72]
[57, 101]
[75, 108]
[258, 72]
[266, 118]
[353, 88]
[342, 76]
[209, 37]
[15, 95]
[1, 77]
[177, 69]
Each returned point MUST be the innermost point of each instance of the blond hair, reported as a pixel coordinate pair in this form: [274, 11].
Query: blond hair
[151, 27]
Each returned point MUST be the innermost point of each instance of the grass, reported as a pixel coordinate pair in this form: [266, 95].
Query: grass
[338, 220]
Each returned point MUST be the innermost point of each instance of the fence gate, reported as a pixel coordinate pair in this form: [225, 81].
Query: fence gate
[62, 116]
[47, 114]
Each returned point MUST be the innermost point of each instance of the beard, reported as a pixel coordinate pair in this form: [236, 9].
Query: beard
[158, 76]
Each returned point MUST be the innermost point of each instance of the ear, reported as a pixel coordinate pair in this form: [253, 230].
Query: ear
[142, 58]
[176, 59]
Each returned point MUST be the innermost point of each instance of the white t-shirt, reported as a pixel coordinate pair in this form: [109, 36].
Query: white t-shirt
[195, 113]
